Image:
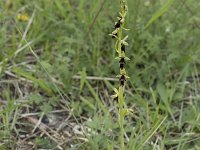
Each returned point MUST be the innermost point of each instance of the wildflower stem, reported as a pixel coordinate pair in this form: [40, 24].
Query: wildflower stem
[121, 116]
[121, 88]
[120, 48]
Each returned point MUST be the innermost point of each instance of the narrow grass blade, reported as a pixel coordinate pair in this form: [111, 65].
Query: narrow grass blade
[151, 133]
[28, 76]
[83, 79]
[160, 12]
[88, 103]
[96, 97]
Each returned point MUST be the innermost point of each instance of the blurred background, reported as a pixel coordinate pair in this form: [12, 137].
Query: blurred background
[58, 71]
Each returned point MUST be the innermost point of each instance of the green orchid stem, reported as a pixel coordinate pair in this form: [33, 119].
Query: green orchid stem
[121, 116]
[121, 88]
[120, 48]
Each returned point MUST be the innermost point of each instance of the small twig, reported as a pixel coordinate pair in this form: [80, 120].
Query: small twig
[38, 122]
[13, 75]
[63, 123]
[32, 135]
[35, 114]
[95, 78]
[18, 89]
[44, 128]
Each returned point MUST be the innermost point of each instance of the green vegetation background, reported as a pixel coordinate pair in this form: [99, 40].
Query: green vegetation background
[57, 60]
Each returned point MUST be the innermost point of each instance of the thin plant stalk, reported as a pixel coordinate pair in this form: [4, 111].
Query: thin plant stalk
[120, 48]
[121, 117]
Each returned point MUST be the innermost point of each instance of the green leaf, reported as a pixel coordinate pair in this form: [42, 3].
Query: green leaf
[162, 92]
[29, 76]
[95, 95]
[88, 103]
[83, 78]
[110, 146]
[150, 133]
[36, 98]
[116, 90]
[160, 12]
